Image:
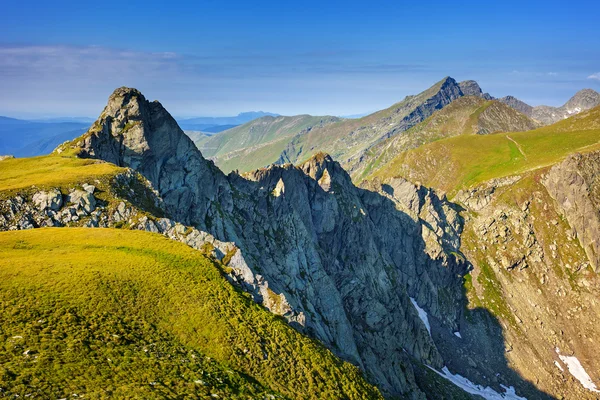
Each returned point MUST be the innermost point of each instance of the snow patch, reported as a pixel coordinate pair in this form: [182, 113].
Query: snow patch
[422, 315]
[457, 334]
[577, 370]
[486, 392]
[558, 365]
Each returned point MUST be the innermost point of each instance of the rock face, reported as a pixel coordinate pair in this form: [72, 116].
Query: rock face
[472, 88]
[575, 185]
[142, 135]
[583, 100]
[339, 262]
[531, 240]
[517, 104]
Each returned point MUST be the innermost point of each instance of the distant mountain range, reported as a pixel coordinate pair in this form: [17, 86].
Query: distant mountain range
[355, 143]
[583, 100]
[31, 138]
[218, 124]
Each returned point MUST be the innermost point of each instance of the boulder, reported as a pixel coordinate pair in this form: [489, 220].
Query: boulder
[82, 199]
[50, 200]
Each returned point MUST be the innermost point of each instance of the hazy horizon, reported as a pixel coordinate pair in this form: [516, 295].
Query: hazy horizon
[62, 60]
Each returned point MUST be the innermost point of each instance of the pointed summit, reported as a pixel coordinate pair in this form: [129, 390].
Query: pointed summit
[133, 132]
[582, 100]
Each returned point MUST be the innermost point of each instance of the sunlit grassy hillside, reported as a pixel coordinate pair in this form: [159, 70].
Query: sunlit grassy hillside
[462, 161]
[110, 313]
[51, 171]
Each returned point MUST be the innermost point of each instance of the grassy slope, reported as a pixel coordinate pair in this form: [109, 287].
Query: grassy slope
[458, 162]
[111, 313]
[51, 171]
[464, 116]
[256, 143]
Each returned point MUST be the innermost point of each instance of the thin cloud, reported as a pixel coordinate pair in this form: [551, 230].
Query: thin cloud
[595, 76]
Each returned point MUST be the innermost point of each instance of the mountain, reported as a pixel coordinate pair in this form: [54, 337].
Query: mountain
[26, 138]
[482, 287]
[369, 273]
[218, 128]
[518, 105]
[469, 160]
[583, 100]
[345, 139]
[216, 124]
[257, 143]
[348, 139]
[467, 115]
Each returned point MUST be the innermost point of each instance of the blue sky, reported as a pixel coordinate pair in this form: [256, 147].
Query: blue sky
[212, 58]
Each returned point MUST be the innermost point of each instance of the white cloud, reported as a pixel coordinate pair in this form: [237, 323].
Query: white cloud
[595, 76]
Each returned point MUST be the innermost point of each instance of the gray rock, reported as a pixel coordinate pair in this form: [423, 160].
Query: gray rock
[89, 188]
[575, 186]
[51, 200]
[82, 199]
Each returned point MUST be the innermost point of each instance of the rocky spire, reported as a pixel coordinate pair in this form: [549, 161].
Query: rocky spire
[134, 132]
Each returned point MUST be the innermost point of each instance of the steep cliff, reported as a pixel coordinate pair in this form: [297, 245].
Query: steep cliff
[575, 185]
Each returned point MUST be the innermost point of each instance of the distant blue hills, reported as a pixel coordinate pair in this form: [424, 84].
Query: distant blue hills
[23, 138]
[218, 124]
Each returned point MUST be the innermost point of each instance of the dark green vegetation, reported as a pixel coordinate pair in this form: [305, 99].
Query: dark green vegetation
[111, 313]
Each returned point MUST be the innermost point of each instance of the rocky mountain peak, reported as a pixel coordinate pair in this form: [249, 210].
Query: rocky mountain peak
[517, 104]
[318, 164]
[133, 132]
[582, 100]
[472, 88]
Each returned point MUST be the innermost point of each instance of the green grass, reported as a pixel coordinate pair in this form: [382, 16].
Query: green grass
[110, 313]
[51, 171]
[463, 161]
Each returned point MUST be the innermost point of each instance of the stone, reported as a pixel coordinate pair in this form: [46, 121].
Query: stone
[89, 188]
[50, 200]
[82, 199]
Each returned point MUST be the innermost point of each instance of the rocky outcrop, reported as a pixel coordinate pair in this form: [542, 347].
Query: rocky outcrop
[575, 185]
[517, 104]
[532, 276]
[142, 135]
[583, 100]
[472, 88]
